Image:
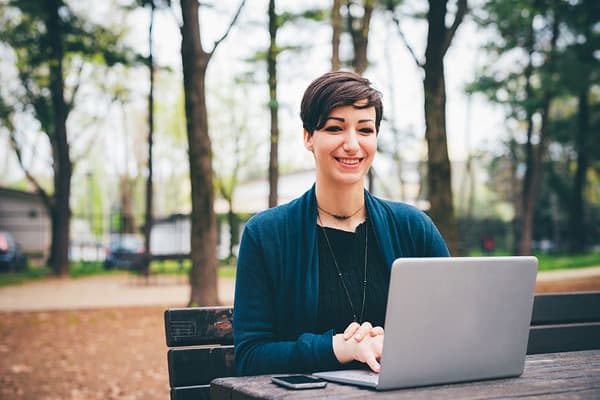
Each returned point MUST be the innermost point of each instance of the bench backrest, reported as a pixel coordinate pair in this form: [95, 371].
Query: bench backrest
[201, 349]
[201, 340]
[565, 322]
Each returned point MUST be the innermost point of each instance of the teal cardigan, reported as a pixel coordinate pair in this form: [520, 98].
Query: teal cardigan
[277, 281]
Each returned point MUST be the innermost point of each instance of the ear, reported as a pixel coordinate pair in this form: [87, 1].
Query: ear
[308, 140]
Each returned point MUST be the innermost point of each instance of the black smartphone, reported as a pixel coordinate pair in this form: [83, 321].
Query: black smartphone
[299, 381]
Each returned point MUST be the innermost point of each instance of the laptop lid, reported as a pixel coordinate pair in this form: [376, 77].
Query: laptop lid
[456, 319]
[451, 320]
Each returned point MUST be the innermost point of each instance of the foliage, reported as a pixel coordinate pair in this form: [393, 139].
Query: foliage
[524, 72]
[50, 45]
[84, 42]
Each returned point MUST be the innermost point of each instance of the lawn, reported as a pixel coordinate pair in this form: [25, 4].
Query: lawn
[547, 262]
[553, 262]
[94, 268]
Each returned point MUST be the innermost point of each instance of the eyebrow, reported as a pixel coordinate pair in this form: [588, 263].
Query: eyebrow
[343, 120]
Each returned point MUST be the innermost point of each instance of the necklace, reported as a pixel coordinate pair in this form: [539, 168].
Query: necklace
[338, 216]
[340, 275]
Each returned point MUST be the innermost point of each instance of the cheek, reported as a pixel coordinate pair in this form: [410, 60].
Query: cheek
[370, 145]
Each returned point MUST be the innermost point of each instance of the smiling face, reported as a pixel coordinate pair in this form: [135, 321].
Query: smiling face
[345, 146]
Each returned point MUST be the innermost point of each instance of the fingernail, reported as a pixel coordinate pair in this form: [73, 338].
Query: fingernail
[357, 337]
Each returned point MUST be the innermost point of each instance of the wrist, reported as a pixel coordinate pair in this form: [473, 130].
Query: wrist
[342, 349]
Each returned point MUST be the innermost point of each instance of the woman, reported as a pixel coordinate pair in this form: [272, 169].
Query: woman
[313, 274]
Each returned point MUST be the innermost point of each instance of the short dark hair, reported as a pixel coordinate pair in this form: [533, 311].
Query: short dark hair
[335, 89]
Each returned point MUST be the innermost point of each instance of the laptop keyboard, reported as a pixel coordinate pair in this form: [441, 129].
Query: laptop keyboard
[362, 375]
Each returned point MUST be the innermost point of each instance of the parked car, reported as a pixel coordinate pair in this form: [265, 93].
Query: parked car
[125, 251]
[11, 257]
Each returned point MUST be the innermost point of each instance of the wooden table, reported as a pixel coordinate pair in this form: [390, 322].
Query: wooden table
[547, 376]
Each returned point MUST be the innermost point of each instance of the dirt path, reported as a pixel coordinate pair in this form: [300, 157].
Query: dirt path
[95, 350]
[115, 353]
[103, 291]
[89, 338]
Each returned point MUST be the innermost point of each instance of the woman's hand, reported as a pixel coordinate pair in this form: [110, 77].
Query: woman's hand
[360, 342]
[359, 332]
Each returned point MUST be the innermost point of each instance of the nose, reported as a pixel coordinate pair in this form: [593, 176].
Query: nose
[351, 142]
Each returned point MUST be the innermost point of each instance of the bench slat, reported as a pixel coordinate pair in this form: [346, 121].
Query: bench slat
[559, 338]
[566, 308]
[192, 366]
[197, 326]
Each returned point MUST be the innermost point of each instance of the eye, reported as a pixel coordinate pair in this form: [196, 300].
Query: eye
[333, 128]
[366, 131]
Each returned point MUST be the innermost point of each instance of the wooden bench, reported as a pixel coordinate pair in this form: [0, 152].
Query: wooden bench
[565, 322]
[201, 343]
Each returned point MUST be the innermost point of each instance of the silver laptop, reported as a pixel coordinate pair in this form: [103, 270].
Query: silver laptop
[452, 319]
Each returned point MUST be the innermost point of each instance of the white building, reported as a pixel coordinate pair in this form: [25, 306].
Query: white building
[23, 215]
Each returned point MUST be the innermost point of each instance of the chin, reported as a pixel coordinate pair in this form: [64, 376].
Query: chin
[350, 180]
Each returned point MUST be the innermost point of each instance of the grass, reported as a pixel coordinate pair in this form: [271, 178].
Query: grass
[18, 278]
[547, 262]
[552, 262]
[171, 267]
[90, 268]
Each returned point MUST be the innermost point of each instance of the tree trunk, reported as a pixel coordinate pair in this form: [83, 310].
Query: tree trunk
[516, 195]
[360, 36]
[149, 178]
[233, 229]
[127, 186]
[273, 106]
[61, 211]
[438, 163]
[531, 191]
[203, 275]
[336, 27]
[577, 231]
[529, 154]
[534, 185]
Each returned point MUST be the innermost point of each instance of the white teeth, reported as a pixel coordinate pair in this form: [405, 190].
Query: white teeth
[349, 161]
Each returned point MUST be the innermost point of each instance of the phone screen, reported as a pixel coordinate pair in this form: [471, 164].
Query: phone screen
[298, 379]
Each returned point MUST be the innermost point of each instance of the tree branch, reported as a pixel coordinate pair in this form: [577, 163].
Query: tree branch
[458, 18]
[405, 41]
[71, 101]
[89, 145]
[231, 24]
[46, 199]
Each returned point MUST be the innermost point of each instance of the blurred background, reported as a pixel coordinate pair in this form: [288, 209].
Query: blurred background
[491, 124]
[138, 136]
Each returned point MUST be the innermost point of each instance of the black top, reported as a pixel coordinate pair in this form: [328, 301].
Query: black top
[349, 249]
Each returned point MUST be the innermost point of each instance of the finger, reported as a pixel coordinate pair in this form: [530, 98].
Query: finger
[351, 330]
[373, 364]
[363, 331]
[376, 331]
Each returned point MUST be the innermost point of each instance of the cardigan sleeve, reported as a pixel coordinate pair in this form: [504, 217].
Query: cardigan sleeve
[257, 349]
[436, 246]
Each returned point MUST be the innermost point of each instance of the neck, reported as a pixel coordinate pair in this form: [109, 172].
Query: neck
[341, 201]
